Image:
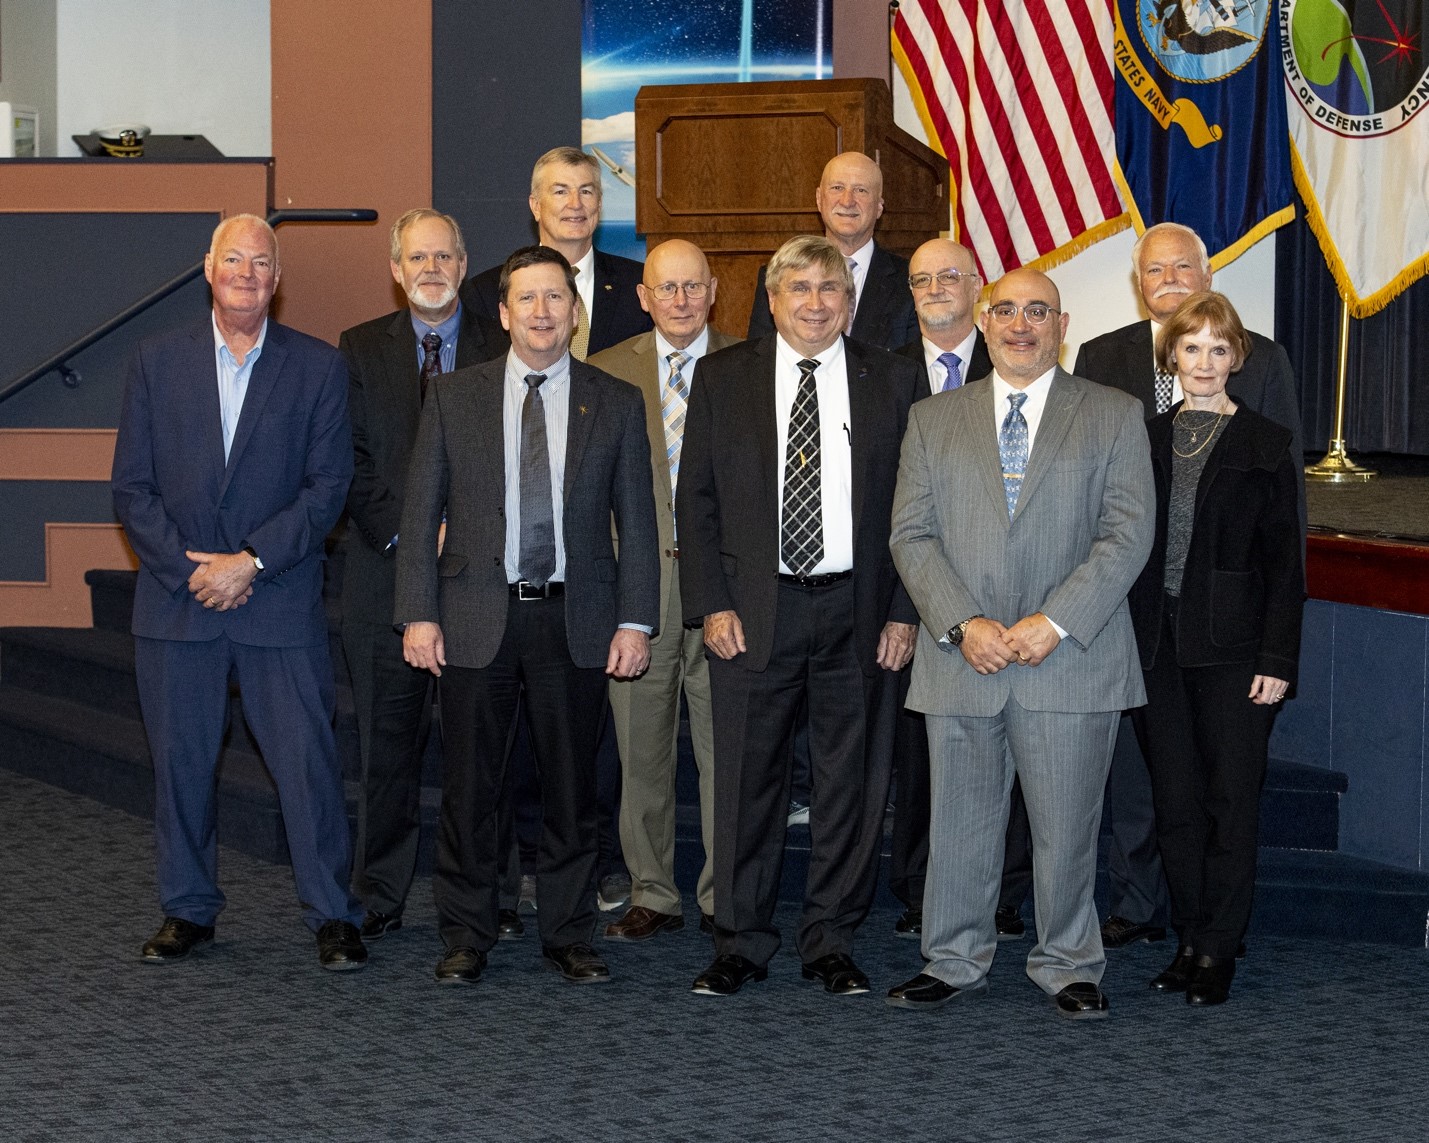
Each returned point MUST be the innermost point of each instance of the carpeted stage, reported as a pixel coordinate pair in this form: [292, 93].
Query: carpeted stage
[1392, 506]
[252, 1041]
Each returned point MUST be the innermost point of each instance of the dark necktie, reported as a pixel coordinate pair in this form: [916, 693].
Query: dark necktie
[802, 539]
[954, 365]
[431, 359]
[538, 530]
[1012, 447]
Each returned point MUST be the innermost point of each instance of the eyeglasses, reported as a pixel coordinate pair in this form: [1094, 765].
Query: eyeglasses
[826, 290]
[1035, 312]
[945, 278]
[693, 290]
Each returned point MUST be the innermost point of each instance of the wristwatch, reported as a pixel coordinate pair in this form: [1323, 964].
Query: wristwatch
[955, 634]
[248, 550]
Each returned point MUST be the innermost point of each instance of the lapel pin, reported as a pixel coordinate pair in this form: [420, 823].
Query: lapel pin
[583, 410]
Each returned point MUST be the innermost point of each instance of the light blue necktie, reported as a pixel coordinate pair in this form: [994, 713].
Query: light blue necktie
[1012, 448]
[953, 364]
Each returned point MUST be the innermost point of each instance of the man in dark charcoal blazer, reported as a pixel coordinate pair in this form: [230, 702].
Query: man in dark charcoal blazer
[231, 465]
[528, 458]
[1170, 263]
[850, 201]
[392, 362]
[784, 501]
[565, 202]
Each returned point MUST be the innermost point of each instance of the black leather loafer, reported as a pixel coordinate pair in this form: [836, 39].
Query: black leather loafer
[911, 923]
[175, 939]
[461, 966]
[1210, 982]
[727, 974]
[1177, 974]
[577, 963]
[509, 925]
[928, 992]
[1118, 932]
[377, 925]
[1010, 926]
[1082, 1001]
[340, 947]
[840, 975]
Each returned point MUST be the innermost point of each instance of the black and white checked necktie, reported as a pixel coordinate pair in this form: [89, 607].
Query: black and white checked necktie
[1163, 390]
[802, 534]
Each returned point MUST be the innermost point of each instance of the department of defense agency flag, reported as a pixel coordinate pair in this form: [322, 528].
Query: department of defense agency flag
[1201, 133]
[1357, 83]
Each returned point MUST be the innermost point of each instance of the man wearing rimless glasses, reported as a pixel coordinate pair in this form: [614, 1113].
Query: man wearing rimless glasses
[1022, 516]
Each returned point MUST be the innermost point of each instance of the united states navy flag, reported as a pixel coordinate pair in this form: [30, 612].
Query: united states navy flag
[1201, 131]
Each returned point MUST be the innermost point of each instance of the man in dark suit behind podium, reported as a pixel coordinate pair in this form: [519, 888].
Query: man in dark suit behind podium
[784, 503]
[850, 201]
[391, 362]
[529, 457]
[231, 464]
[565, 202]
[1170, 262]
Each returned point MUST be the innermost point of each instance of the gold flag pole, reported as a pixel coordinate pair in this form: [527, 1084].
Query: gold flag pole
[1336, 467]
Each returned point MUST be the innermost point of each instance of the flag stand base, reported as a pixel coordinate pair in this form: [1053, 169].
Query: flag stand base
[1338, 468]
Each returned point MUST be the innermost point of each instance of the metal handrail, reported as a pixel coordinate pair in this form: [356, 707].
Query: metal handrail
[60, 360]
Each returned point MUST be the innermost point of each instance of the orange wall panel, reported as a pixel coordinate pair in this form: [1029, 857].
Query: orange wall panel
[352, 127]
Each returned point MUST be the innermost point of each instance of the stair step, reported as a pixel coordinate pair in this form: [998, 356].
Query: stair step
[1300, 807]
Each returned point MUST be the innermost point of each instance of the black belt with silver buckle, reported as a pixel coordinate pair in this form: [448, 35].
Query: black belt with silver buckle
[815, 580]
[526, 591]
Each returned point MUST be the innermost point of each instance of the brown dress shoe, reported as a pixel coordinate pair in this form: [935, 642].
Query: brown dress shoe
[640, 924]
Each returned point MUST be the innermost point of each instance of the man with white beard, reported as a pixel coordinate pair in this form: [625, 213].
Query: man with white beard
[391, 363]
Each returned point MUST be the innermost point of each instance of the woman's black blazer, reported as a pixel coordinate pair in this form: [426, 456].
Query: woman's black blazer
[1244, 587]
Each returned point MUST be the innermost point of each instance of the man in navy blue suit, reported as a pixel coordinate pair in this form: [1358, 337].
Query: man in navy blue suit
[231, 466]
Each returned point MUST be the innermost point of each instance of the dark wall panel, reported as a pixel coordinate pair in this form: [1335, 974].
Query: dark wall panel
[506, 87]
[28, 505]
[67, 273]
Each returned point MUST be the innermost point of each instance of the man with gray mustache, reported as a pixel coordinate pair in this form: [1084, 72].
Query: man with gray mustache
[1170, 263]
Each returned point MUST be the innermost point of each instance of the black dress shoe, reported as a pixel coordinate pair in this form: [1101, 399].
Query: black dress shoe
[578, 963]
[927, 992]
[1082, 1001]
[509, 925]
[1210, 981]
[377, 925]
[706, 924]
[1118, 932]
[175, 939]
[727, 974]
[461, 966]
[340, 947]
[1177, 974]
[911, 923]
[1010, 925]
[838, 972]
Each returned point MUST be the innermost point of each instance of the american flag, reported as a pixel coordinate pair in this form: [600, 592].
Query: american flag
[1018, 95]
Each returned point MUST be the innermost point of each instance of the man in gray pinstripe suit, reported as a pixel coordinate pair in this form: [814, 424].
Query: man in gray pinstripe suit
[1024, 513]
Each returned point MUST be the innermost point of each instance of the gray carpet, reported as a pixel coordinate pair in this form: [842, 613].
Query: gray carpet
[252, 1041]
[1394, 505]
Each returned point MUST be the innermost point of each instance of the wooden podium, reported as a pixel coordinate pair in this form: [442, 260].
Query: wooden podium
[732, 167]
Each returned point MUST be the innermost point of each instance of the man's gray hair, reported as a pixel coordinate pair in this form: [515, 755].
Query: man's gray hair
[414, 216]
[564, 156]
[253, 218]
[804, 251]
[1169, 228]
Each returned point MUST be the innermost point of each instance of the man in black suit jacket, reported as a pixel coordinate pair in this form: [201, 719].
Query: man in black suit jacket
[785, 496]
[1171, 263]
[527, 457]
[850, 201]
[386, 361]
[565, 202]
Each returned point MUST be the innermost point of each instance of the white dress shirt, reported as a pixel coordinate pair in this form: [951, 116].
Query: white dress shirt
[585, 280]
[1177, 393]
[861, 258]
[835, 447]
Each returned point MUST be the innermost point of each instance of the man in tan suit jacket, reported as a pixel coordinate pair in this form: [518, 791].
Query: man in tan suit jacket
[677, 292]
